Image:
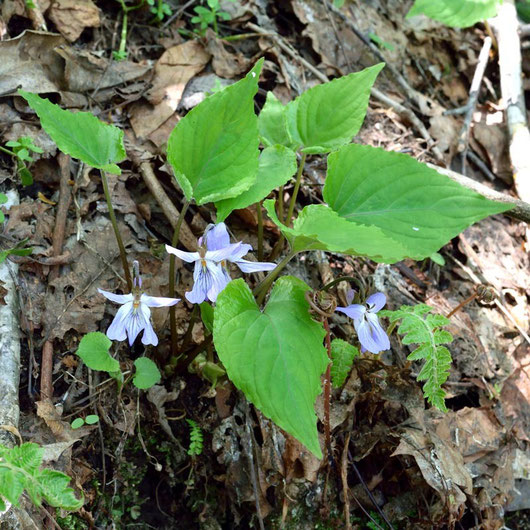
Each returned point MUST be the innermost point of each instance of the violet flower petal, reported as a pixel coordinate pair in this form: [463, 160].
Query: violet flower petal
[226, 253]
[158, 301]
[149, 335]
[354, 311]
[254, 266]
[371, 335]
[118, 328]
[376, 302]
[135, 324]
[189, 257]
[117, 298]
[218, 280]
[217, 237]
[200, 285]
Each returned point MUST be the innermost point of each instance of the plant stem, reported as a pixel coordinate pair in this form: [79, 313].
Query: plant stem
[295, 191]
[191, 324]
[260, 230]
[112, 215]
[261, 290]
[123, 38]
[3, 149]
[327, 393]
[172, 262]
[280, 204]
[462, 304]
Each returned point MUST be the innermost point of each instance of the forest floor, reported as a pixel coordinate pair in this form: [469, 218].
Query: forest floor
[398, 461]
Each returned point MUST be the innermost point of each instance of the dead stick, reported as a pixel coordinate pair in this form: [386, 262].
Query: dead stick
[463, 138]
[46, 371]
[186, 235]
[425, 104]
[510, 65]
[400, 109]
[65, 198]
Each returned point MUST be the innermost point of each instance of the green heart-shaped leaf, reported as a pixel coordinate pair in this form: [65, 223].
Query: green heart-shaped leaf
[276, 357]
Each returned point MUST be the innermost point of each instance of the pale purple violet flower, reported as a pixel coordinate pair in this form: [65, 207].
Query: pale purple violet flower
[134, 314]
[208, 277]
[217, 237]
[371, 335]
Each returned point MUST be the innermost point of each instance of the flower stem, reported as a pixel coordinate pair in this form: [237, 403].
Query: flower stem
[261, 290]
[327, 393]
[260, 230]
[172, 263]
[280, 204]
[295, 191]
[114, 223]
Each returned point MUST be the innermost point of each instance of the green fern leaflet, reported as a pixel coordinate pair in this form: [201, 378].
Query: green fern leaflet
[20, 471]
[419, 327]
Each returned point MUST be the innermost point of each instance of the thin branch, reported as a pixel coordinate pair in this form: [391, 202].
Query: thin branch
[168, 208]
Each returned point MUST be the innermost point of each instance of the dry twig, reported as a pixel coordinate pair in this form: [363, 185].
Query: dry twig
[510, 60]
[186, 235]
[463, 138]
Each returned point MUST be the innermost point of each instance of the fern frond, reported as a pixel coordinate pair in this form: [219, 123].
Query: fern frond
[196, 438]
[20, 470]
[419, 327]
[342, 355]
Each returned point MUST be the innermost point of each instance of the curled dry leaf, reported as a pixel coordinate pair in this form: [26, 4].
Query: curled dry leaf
[72, 16]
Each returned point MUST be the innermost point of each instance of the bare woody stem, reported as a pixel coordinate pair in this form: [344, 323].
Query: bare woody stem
[172, 263]
[112, 216]
[295, 191]
[261, 290]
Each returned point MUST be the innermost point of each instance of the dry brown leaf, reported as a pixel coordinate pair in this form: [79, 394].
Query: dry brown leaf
[29, 61]
[71, 17]
[172, 72]
[441, 465]
[224, 63]
[85, 71]
[159, 396]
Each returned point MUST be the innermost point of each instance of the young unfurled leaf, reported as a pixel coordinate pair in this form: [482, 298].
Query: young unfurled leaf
[318, 227]
[80, 135]
[94, 350]
[410, 202]
[342, 355]
[214, 149]
[272, 123]
[420, 327]
[277, 165]
[456, 13]
[20, 470]
[330, 115]
[276, 357]
[147, 373]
